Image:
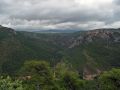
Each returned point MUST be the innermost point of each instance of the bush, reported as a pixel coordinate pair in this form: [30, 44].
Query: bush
[110, 80]
[9, 84]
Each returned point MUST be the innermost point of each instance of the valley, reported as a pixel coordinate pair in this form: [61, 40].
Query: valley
[95, 50]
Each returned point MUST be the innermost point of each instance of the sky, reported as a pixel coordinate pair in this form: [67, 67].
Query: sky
[60, 14]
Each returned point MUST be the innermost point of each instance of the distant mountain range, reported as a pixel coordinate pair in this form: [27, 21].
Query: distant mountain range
[49, 31]
[57, 31]
[90, 52]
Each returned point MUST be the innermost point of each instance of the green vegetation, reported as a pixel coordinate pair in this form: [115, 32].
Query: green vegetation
[9, 84]
[110, 80]
[36, 61]
[38, 75]
[17, 47]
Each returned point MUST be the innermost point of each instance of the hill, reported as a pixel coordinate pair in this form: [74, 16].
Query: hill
[90, 52]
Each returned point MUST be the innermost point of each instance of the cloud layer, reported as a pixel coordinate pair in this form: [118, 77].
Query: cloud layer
[60, 14]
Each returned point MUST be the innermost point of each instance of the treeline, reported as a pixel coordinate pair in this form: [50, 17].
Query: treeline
[39, 75]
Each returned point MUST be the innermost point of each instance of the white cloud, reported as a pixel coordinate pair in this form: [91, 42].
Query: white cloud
[59, 14]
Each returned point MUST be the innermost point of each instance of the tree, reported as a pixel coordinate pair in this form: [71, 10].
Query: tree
[110, 80]
[68, 78]
[40, 73]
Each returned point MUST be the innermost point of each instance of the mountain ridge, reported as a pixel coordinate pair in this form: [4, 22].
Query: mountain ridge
[90, 52]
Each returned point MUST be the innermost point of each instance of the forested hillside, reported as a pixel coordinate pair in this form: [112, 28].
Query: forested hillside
[90, 52]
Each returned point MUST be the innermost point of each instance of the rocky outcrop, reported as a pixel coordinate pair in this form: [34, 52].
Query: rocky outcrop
[88, 75]
[108, 35]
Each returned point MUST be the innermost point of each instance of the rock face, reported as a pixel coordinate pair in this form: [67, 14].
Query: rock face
[108, 35]
[87, 75]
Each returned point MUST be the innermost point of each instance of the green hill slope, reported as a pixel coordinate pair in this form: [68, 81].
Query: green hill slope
[89, 52]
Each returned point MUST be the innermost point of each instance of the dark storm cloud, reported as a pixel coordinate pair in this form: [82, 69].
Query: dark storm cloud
[59, 14]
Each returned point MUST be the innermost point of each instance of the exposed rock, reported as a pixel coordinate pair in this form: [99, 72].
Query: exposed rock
[90, 70]
[101, 34]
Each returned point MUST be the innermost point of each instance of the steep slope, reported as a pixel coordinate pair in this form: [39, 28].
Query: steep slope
[17, 47]
[8, 45]
[95, 51]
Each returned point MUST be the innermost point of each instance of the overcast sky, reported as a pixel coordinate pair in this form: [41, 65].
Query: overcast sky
[60, 14]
